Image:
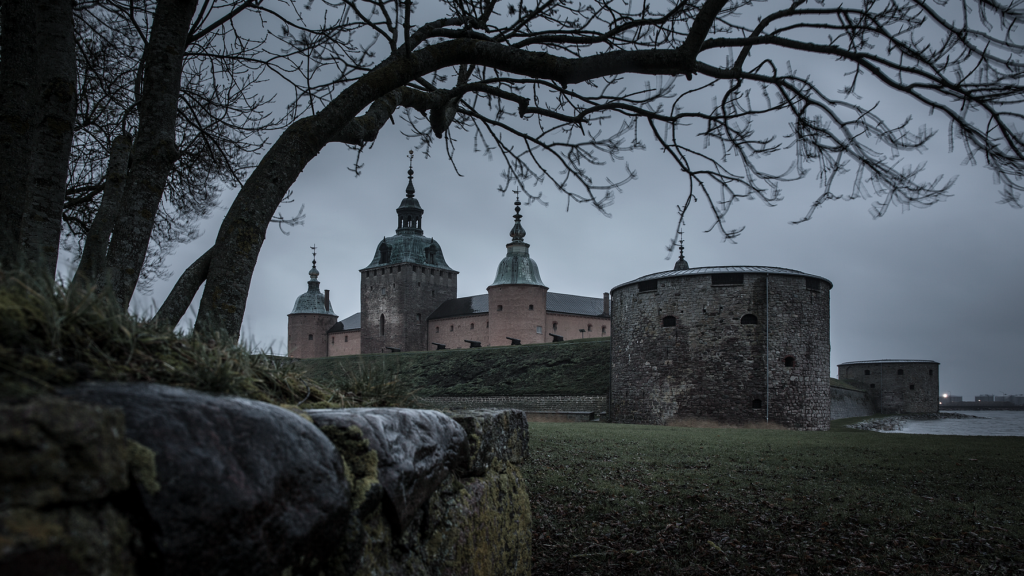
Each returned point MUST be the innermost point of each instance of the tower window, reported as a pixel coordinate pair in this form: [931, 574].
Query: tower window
[419, 317]
[756, 403]
[540, 329]
[346, 338]
[872, 385]
[789, 361]
[332, 339]
[310, 336]
[899, 372]
[499, 307]
[813, 284]
[748, 319]
[648, 286]
[730, 279]
[385, 253]
[471, 326]
[451, 328]
[911, 386]
[437, 329]
[531, 306]
[929, 372]
[867, 372]
[381, 324]
[668, 321]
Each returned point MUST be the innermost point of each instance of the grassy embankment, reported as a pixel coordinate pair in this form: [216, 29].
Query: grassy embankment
[624, 499]
[578, 367]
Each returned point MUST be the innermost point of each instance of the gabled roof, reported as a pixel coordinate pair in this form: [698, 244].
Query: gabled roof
[350, 323]
[558, 303]
[464, 306]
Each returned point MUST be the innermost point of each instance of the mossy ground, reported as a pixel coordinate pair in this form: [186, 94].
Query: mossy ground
[620, 499]
[565, 368]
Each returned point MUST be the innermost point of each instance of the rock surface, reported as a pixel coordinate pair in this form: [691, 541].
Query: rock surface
[416, 450]
[245, 487]
[492, 435]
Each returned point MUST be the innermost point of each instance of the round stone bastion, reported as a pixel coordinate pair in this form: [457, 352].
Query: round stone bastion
[732, 344]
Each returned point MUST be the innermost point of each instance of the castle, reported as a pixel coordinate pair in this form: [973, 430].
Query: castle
[408, 301]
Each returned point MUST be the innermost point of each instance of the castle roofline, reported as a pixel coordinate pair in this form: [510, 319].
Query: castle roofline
[708, 270]
[889, 362]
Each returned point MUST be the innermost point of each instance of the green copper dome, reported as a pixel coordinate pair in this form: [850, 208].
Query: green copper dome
[517, 267]
[409, 245]
[312, 301]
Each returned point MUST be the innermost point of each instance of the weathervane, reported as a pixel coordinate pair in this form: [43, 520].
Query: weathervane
[409, 190]
[313, 248]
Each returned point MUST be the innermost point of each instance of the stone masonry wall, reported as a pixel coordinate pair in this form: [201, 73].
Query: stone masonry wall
[118, 479]
[915, 390]
[307, 334]
[405, 295]
[709, 365]
[850, 403]
[524, 403]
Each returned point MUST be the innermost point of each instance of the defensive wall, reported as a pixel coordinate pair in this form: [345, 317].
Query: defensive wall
[896, 386]
[117, 479]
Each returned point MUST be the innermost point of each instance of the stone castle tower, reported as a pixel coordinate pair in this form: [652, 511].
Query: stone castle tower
[517, 300]
[406, 281]
[310, 319]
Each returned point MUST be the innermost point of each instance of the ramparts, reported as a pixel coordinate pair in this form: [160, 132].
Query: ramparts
[119, 479]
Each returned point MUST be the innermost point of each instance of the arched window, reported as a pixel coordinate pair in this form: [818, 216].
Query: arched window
[381, 324]
[789, 361]
[604, 330]
[470, 325]
[589, 328]
[668, 321]
[419, 317]
[748, 319]
[756, 403]
[437, 330]
[554, 326]
[451, 328]
[385, 252]
[899, 371]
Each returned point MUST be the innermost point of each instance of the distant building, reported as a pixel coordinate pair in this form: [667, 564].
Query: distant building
[897, 386]
[984, 398]
[948, 399]
[408, 301]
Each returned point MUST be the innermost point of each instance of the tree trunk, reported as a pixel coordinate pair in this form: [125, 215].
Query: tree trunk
[94, 255]
[184, 291]
[37, 112]
[154, 152]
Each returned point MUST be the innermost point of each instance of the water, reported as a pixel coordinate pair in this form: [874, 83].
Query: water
[988, 423]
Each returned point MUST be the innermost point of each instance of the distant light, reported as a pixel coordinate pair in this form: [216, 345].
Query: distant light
[945, 395]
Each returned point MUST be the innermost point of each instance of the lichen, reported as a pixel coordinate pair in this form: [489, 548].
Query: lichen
[142, 466]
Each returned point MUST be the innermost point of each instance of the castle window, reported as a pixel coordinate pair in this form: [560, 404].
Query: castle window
[531, 306]
[332, 339]
[789, 361]
[540, 329]
[451, 328]
[385, 253]
[381, 324]
[499, 307]
[471, 325]
[899, 372]
[346, 338]
[748, 319]
[604, 329]
[554, 326]
[589, 327]
[437, 330]
[730, 279]
[668, 321]
[929, 372]
[911, 386]
[867, 372]
[648, 286]
[419, 317]
[310, 336]
[872, 385]
[488, 324]
[813, 284]
[756, 403]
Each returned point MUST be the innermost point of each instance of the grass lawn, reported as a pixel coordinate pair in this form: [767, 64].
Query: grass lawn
[625, 499]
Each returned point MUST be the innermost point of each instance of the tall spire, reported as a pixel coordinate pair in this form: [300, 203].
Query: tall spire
[681, 263]
[518, 232]
[410, 190]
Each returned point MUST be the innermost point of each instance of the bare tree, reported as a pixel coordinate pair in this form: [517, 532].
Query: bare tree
[560, 90]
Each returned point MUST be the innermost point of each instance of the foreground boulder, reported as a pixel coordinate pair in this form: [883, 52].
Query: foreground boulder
[113, 478]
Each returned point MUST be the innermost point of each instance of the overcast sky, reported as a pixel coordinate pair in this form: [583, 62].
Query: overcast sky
[941, 283]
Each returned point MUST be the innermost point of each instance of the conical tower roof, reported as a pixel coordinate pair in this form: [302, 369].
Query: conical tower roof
[517, 267]
[312, 300]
